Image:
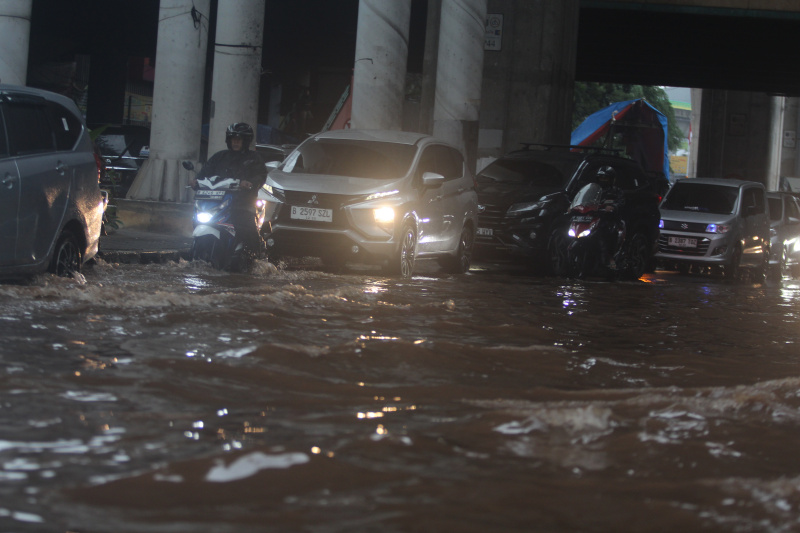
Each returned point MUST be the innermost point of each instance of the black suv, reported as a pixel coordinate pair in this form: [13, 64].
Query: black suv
[524, 195]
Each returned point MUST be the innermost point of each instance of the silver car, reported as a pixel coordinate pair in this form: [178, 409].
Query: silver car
[717, 223]
[51, 206]
[373, 196]
[784, 215]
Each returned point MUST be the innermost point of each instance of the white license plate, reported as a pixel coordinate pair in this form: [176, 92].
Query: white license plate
[312, 213]
[202, 193]
[486, 232]
[682, 242]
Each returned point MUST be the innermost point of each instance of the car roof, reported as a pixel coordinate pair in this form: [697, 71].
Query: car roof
[7, 89]
[718, 181]
[393, 136]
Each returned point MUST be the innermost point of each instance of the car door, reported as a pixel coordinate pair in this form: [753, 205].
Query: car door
[9, 200]
[429, 208]
[44, 177]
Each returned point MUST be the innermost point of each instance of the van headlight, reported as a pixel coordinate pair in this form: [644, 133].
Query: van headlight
[383, 215]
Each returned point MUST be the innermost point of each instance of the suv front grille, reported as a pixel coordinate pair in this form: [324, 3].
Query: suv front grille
[693, 227]
[699, 251]
[491, 217]
[333, 202]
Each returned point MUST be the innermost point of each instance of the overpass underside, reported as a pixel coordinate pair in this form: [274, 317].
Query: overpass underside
[746, 45]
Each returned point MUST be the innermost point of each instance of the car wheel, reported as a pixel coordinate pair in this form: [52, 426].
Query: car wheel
[557, 249]
[760, 273]
[638, 257]
[459, 264]
[403, 261]
[66, 257]
[783, 265]
[731, 271]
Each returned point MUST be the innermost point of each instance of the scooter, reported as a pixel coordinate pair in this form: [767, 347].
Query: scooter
[214, 236]
[593, 220]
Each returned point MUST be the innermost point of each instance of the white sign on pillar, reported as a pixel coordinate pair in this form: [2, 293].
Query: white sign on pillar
[494, 32]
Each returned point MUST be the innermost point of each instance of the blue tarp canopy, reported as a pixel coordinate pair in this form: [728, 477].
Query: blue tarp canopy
[643, 129]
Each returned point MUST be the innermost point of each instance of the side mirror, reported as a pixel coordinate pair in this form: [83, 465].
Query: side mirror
[432, 179]
[188, 165]
[272, 164]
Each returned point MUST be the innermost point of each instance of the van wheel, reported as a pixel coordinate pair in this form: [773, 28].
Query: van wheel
[760, 273]
[403, 261]
[731, 270]
[459, 264]
[66, 257]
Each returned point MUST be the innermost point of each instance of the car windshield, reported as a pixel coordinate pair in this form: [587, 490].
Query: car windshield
[775, 209]
[352, 158]
[545, 173]
[701, 198]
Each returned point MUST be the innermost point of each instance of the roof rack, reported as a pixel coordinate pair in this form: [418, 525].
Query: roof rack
[575, 147]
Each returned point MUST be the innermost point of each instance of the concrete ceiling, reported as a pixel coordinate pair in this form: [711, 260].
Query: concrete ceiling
[689, 47]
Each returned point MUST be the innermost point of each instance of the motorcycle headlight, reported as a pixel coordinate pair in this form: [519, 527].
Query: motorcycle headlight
[525, 208]
[204, 218]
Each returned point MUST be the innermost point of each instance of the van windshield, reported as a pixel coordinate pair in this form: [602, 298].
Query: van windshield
[701, 198]
[352, 158]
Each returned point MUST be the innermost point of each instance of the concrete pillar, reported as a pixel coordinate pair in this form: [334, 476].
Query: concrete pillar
[379, 73]
[237, 68]
[694, 128]
[429, 63]
[735, 135]
[459, 75]
[177, 101]
[529, 74]
[15, 28]
[777, 114]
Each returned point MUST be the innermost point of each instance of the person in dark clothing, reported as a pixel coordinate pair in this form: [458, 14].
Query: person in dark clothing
[613, 224]
[239, 162]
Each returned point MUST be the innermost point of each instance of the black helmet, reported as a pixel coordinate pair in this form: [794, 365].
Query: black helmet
[606, 175]
[241, 130]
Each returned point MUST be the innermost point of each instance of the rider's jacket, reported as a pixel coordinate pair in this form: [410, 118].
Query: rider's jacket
[242, 165]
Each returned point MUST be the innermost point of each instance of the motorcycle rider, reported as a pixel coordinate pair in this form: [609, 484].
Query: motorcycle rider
[239, 162]
[613, 227]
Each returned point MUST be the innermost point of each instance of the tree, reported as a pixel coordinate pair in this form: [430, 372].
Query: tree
[591, 97]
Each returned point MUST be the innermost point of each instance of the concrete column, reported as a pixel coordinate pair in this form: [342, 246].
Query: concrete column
[177, 101]
[237, 68]
[459, 74]
[529, 81]
[15, 28]
[694, 140]
[429, 63]
[379, 73]
[735, 135]
[773, 174]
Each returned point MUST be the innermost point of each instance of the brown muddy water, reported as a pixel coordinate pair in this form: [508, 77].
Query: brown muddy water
[174, 398]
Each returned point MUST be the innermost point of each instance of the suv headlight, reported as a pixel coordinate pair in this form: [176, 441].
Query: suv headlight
[526, 208]
[383, 215]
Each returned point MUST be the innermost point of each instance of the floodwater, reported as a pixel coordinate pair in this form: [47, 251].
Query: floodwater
[174, 398]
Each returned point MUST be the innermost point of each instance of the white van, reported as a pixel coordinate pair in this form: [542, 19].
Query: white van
[715, 222]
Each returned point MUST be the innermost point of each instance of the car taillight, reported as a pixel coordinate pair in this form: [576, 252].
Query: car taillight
[99, 163]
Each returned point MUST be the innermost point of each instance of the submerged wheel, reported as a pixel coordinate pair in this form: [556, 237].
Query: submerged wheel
[760, 272]
[459, 263]
[557, 250]
[638, 257]
[731, 270]
[403, 261]
[66, 257]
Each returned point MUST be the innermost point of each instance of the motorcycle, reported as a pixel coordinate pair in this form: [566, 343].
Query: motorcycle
[214, 236]
[597, 242]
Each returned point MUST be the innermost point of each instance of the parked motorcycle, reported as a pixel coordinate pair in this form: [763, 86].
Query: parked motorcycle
[214, 236]
[597, 243]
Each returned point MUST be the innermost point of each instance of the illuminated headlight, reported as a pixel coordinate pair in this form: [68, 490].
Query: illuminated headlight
[383, 215]
[525, 208]
[660, 224]
[260, 204]
[571, 232]
[717, 228]
[584, 233]
[204, 218]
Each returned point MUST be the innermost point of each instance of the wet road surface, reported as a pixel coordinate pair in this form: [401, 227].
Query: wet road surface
[171, 397]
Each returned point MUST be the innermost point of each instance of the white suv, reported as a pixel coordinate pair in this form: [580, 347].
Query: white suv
[716, 223]
[51, 206]
[373, 196]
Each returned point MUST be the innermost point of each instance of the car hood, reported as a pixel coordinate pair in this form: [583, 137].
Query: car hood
[320, 183]
[692, 216]
[507, 195]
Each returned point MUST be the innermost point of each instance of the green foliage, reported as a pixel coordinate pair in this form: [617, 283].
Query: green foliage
[591, 97]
